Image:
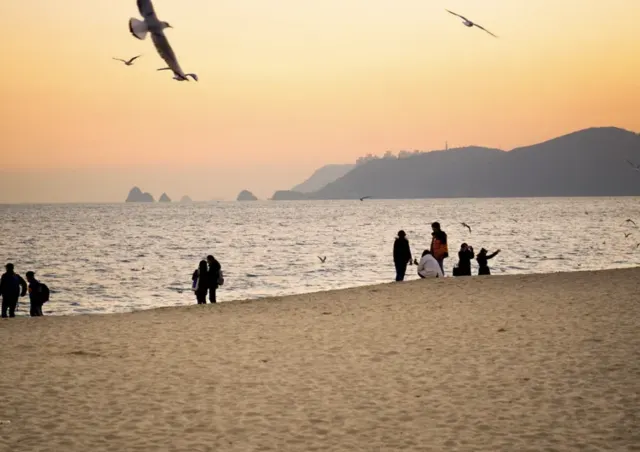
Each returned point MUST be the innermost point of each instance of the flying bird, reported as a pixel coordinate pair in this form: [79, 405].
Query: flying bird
[322, 259]
[178, 76]
[470, 24]
[633, 165]
[629, 220]
[365, 197]
[626, 235]
[151, 24]
[128, 62]
[466, 226]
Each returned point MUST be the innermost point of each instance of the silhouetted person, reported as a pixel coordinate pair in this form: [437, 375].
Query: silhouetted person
[439, 248]
[464, 260]
[200, 280]
[401, 255]
[36, 297]
[429, 267]
[215, 277]
[483, 259]
[12, 287]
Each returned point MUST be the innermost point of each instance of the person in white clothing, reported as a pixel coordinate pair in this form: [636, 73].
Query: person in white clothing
[429, 266]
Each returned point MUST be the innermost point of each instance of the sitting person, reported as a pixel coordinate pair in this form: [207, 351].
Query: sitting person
[429, 266]
[483, 259]
[464, 261]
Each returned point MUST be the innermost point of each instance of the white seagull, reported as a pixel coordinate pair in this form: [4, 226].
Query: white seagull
[470, 24]
[151, 24]
[128, 62]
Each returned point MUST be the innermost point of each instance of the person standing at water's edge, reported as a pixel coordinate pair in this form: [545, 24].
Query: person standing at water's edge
[200, 280]
[215, 277]
[464, 260]
[483, 263]
[439, 248]
[401, 255]
[36, 297]
[12, 287]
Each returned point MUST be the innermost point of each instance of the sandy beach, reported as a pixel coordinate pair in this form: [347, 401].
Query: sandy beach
[505, 363]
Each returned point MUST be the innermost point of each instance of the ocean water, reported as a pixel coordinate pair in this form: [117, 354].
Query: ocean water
[122, 257]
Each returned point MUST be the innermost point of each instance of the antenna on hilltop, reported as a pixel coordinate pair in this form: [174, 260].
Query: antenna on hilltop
[446, 145]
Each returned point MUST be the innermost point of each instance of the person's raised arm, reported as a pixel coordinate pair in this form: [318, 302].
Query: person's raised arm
[491, 256]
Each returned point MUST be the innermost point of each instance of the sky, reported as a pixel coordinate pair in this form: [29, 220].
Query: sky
[287, 86]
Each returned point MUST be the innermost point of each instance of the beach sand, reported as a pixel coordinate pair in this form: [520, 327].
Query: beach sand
[501, 363]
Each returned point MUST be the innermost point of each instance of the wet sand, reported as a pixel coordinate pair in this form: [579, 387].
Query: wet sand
[503, 363]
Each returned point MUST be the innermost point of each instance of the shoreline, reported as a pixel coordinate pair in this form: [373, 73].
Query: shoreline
[517, 362]
[275, 298]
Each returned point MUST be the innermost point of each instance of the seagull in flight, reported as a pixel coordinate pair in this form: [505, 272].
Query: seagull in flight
[322, 259]
[466, 226]
[128, 62]
[365, 197]
[626, 235]
[633, 165]
[629, 220]
[470, 24]
[151, 24]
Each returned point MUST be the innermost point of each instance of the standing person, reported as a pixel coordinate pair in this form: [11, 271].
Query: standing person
[464, 260]
[439, 247]
[483, 261]
[215, 277]
[200, 280]
[10, 289]
[401, 255]
[429, 267]
[36, 295]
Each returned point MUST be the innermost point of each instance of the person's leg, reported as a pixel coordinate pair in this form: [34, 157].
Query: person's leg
[403, 270]
[5, 307]
[33, 309]
[13, 303]
[212, 295]
[441, 264]
[40, 309]
[201, 298]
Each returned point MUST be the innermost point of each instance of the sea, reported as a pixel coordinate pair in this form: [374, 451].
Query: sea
[108, 258]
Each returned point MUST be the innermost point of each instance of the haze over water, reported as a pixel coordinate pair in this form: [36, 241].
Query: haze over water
[123, 257]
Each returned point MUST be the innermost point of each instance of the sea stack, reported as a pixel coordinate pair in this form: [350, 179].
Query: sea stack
[246, 195]
[136, 195]
[164, 198]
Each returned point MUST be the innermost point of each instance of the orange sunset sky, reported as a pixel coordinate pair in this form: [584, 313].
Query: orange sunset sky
[289, 85]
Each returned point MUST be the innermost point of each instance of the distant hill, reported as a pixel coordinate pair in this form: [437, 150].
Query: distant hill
[164, 198]
[289, 195]
[589, 162]
[136, 195]
[322, 177]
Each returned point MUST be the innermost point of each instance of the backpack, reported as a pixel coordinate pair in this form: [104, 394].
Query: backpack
[44, 293]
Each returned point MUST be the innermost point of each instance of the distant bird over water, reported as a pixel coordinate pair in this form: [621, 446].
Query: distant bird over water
[626, 235]
[629, 220]
[128, 62]
[470, 24]
[365, 197]
[322, 259]
[465, 225]
[151, 24]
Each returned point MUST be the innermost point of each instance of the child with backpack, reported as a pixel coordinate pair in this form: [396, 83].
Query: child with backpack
[38, 295]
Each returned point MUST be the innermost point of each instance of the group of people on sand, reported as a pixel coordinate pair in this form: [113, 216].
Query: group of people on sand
[207, 278]
[431, 264]
[13, 287]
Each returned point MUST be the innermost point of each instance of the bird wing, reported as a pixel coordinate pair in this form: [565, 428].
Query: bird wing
[134, 58]
[482, 28]
[120, 59]
[633, 165]
[455, 14]
[146, 9]
[166, 52]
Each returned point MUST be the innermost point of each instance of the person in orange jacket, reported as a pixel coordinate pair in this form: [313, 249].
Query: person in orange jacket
[439, 248]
